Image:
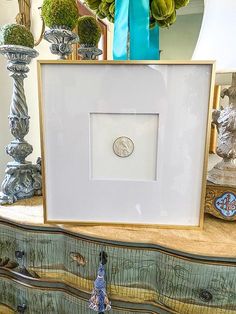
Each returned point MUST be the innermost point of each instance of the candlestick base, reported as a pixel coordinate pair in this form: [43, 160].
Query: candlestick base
[223, 173]
[89, 53]
[21, 181]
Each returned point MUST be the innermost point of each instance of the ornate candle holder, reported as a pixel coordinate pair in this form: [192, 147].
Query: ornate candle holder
[22, 178]
[61, 40]
[88, 52]
[221, 186]
[224, 172]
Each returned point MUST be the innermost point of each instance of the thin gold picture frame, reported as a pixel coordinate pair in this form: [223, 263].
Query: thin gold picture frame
[206, 149]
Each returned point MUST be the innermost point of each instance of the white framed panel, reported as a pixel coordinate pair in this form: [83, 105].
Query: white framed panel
[167, 103]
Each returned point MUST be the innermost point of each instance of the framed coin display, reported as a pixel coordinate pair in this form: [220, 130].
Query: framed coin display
[125, 142]
[123, 146]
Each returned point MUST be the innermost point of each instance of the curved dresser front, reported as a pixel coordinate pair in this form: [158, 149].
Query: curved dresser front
[51, 269]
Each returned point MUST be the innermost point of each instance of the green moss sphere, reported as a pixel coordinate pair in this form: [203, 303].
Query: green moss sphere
[60, 13]
[89, 31]
[16, 34]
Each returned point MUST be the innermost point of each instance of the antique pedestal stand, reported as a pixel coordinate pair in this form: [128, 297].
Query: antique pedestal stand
[22, 178]
[61, 40]
[88, 52]
[221, 188]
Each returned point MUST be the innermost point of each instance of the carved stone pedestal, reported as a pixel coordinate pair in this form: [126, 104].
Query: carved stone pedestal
[21, 181]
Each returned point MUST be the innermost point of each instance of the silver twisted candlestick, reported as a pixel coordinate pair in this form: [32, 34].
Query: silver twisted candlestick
[22, 178]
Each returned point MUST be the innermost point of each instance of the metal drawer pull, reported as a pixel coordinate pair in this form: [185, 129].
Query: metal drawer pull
[205, 296]
[21, 308]
[103, 257]
[19, 254]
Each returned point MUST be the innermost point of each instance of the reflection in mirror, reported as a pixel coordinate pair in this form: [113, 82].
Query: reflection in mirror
[178, 41]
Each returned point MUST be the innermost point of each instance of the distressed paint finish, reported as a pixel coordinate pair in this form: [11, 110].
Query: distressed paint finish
[89, 53]
[22, 178]
[134, 274]
[40, 301]
[61, 40]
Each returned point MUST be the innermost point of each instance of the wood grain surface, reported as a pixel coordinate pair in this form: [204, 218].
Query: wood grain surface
[217, 239]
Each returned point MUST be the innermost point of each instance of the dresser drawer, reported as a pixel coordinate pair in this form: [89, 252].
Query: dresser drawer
[42, 298]
[148, 275]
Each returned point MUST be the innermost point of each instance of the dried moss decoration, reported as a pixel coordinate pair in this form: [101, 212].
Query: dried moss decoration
[89, 31]
[15, 34]
[60, 13]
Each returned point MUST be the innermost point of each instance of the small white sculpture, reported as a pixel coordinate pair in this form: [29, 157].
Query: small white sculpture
[224, 172]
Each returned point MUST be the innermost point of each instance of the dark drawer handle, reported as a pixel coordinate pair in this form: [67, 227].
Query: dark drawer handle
[19, 254]
[21, 308]
[205, 296]
[103, 257]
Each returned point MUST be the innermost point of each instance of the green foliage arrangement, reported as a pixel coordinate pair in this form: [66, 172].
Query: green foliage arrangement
[162, 9]
[162, 12]
[103, 8]
[16, 34]
[168, 21]
[89, 31]
[181, 3]
[60, 13]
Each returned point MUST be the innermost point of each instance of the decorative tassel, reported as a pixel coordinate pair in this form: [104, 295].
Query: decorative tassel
[99, 301]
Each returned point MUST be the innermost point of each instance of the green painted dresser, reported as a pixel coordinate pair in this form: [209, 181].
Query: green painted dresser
[51, 269]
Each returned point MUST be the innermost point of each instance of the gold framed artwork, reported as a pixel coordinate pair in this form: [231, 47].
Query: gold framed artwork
[117, 141]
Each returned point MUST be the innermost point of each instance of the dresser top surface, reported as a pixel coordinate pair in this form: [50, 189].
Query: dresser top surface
[217, 239]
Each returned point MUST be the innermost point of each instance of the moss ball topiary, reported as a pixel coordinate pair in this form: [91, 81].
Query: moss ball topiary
[89, 31]
[60, 13]
[16, 34]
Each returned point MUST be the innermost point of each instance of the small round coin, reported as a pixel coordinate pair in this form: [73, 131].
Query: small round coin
[123, 146]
